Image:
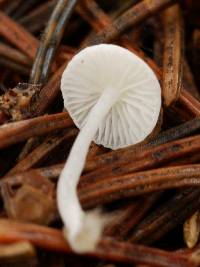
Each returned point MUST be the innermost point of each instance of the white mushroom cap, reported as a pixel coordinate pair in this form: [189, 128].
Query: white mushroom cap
[132, 118]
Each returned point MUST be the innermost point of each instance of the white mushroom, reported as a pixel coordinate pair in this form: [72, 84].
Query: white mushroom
[114, 98]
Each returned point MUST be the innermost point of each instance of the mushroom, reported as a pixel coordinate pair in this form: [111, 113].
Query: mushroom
[114, 97]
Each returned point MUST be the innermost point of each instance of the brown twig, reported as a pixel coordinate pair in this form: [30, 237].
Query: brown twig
[134, 184]
[188, 80]
[167, 216]
[93, 14]
[18, 36]
[189, 102]
[177, 132]
[25, 6]
[29, 146]
[14, 55]
[11, 7]
[172, 59]
[134, 15]
[50, 172]
[52, 37]
[109, 249]
[48, 93]
[140, 159]
[36, 19]
[19, 68]
[15, 132]
[129, 216]
[41, 151]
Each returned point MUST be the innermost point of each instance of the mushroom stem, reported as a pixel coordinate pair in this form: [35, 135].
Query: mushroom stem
[82, 229]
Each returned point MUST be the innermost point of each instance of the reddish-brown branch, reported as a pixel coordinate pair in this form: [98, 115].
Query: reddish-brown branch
[93, 14]
[167, 216]
[107, 249]
[134, 15]
[15, 132]
[140, 183]
[134, 160]
[18, 36]
[48, 93]
[190, 103]
[50, 172]
[40, 152]
[129, 216]
[172, 59]
[188, 80]
[14, 55]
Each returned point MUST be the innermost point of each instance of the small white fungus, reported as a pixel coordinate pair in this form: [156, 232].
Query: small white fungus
[114, 97]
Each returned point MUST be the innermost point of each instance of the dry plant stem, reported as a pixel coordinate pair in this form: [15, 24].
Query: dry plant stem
[18, 36]
[181, 114]
[196, 38]
[172, 59]
[122, 8]
[107, 249]
[177, 132]
[24, 8]
[133, 219]
[120, 215]
[143, 158]
[14, 66]
[167, 216]
[188, 80]
[130, 216]
[14, 55]
[164, 137]
[130, 18]
[93, 14]
[110, 189]
[16, 251]
[48, 93]
[15, 132]
[104, 35]
[158, 42]
[52, 37]
[190, 159]
[189, 102]
[96, 17]
[42, 151]
[35, 20]
[30, 145]
[11, 7]
[50, 172]
[191, 230]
